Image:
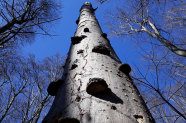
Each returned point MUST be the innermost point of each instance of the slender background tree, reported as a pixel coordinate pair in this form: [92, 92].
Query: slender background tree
[23, 85]
[157, 31]
[20, 20]
[24, 80]
[155, 27]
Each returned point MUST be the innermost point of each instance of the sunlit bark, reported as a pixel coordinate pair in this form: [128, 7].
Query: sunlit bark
[96, 87]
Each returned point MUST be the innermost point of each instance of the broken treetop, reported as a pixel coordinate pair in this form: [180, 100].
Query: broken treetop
[87, 5]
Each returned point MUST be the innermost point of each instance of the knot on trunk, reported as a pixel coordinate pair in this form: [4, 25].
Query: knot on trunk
[96, 86]
[101, 49]
[125, 68]
[77, 39]
[54, 87]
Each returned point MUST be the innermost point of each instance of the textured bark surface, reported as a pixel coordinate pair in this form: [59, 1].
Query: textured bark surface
[95, 90]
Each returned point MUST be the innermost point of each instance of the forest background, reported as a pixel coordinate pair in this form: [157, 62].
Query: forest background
[35, 38]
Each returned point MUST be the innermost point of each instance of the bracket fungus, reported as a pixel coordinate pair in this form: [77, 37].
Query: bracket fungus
[77, 39]
[68, 120]
[125, 68]
[104, 35]
[96, 86]
[80, 51]
[77, 21]
[101, 49]
[86, 30]
[53, 87]
[73, 66]
[139, 118]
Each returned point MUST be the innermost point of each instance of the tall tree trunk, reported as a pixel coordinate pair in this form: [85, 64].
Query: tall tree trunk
[96, 86]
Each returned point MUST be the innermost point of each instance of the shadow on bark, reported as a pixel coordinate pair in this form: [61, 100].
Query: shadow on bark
[88, 117]
[108, 95]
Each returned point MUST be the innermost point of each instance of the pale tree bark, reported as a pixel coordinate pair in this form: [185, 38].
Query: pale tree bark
[96, 86]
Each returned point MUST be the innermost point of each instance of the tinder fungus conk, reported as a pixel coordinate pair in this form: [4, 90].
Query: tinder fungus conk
[53, 88]
[77, 39]
[96, 86]
[125, 68]
[101, 49]
[68, 120]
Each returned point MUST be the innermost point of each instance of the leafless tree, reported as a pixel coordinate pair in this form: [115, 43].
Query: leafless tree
[163, 90]
[23, 84]
[158, 27]
[23, 81]
[152, 19]
[163, 83]
[22, 19]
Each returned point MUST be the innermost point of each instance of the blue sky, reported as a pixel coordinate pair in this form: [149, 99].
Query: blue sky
[44, 46]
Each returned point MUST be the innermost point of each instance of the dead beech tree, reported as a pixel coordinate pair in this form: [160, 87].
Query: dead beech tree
[96, 86]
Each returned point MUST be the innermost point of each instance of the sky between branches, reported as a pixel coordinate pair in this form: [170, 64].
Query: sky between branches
[64, 29]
